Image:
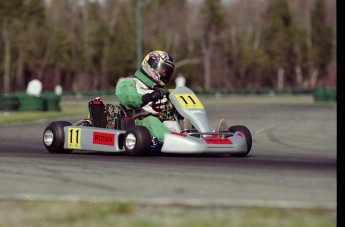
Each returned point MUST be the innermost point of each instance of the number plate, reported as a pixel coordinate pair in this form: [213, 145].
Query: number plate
[74, 135]
[189, 101]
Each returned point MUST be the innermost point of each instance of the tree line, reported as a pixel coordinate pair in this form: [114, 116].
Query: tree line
[88, 45]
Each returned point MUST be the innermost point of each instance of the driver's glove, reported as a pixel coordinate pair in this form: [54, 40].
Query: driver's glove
[164, 91]
[153, 96]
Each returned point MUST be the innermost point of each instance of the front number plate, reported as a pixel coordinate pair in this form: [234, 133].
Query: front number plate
[189, 101]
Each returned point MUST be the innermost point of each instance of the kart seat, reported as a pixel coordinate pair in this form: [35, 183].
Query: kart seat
[98, 116]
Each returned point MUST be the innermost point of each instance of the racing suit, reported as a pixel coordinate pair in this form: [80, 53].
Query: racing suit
[130, 92]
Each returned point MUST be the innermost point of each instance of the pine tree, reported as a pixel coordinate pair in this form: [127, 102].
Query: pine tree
[321, 43]
[10, 11]
[213, 20]
[278, 42]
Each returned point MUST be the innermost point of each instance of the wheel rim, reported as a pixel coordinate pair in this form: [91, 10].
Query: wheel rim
[130, 141]
[48, 137]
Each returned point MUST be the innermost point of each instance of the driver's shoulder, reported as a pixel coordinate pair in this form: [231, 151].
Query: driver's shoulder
[125, 82]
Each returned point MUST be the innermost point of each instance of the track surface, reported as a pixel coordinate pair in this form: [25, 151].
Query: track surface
[292, 164]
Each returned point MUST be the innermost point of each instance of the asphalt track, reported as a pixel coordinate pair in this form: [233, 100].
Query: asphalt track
[292, 164]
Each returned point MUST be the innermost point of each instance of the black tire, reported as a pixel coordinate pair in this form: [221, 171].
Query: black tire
[247, 135]
[54, 137]
[137, 141]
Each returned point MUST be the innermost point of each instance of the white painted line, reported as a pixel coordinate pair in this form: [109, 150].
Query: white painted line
[260, 131]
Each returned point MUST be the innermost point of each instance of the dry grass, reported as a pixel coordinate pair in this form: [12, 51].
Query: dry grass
[84, 214]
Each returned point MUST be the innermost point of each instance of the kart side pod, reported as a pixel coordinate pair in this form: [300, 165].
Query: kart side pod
[181, 143]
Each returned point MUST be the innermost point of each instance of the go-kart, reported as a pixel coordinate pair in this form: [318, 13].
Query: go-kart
[110, 128]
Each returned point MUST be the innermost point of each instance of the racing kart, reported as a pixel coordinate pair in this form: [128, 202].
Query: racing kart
[110, 128]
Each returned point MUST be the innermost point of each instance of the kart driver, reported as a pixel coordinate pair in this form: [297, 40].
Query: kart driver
[145, 92]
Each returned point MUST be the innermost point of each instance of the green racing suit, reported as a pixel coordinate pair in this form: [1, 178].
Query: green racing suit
[129, 92]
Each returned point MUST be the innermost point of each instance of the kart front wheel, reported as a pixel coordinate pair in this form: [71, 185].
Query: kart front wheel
[54, 137]
[247, 135]
[137, 141]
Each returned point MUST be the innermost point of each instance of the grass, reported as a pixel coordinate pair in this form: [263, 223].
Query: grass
[84, 214]
[69, 108]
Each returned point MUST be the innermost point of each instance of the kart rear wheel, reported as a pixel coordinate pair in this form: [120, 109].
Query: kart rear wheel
[247, 135]
[54, 137]
[137, 141]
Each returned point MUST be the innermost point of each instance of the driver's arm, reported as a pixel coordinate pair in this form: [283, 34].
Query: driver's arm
[128, 95]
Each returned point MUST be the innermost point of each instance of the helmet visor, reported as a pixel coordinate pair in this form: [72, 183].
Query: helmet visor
[165, 71]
